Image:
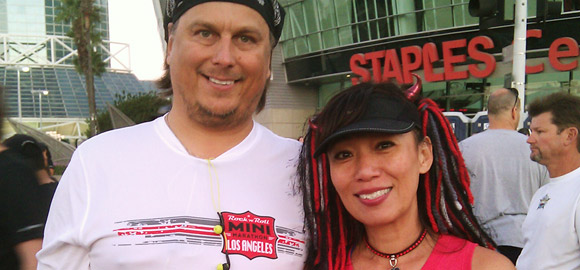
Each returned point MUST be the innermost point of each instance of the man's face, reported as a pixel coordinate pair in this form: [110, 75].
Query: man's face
[219, 59]
[546, 143]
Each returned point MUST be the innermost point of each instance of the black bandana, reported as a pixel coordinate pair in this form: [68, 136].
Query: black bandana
[270, 10]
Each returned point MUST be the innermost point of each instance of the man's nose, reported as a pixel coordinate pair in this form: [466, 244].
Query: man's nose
[224, 53]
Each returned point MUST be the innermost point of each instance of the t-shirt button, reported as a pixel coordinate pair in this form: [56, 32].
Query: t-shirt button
[218, 229]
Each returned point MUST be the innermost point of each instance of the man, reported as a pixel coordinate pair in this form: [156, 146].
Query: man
[21, 220]
[201, 187]
[552, 227]
[503, 179]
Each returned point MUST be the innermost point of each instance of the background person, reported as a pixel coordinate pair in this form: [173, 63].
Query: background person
[202, 186]
[503, 178]
[552, 227]
[21, 220]
[32, 152]
[385, 188]
[47, 159]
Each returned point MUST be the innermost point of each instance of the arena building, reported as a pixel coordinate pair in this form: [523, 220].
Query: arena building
[42, 88]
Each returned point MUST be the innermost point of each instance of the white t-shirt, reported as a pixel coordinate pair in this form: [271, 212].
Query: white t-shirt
[135, 199]
[552, 227]
[503, 181]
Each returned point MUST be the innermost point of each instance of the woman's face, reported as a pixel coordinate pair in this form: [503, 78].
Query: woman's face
[377, 175]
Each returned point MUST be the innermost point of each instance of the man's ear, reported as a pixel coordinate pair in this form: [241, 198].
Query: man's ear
[571, 136]
[169, 42]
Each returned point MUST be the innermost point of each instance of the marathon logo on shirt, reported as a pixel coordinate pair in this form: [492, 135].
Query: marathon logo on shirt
[247, 234]
[250, 235]
[543, 202]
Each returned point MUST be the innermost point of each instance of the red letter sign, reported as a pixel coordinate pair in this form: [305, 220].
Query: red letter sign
[555, 54]
[486, 58]
[449, 59]
[355, 61]
[408, 65]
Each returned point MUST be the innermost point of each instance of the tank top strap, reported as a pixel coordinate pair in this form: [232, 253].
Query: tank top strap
[450, 253]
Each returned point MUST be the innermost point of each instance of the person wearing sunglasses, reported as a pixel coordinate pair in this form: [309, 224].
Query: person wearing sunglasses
[503, 178]
[202, 187]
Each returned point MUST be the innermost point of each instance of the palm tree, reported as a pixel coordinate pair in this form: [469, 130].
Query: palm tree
[83, 16]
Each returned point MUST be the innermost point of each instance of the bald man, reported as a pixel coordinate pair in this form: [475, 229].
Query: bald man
[503, 178]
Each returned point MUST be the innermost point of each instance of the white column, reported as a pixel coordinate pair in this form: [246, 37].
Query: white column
[519, 60]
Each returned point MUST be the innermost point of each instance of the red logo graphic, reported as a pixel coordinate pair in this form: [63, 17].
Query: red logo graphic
[250, 235]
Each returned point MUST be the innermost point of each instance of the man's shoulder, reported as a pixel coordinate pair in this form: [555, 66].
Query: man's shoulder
[270, 137]
[126, 136]
[492, 135]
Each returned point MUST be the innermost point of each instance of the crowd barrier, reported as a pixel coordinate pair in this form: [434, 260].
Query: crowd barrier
[465, 126]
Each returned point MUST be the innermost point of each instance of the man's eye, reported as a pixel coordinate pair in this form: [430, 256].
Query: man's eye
[205, 33]
[245, 39]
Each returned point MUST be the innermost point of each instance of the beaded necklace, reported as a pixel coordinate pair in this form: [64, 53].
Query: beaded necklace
[393, 257]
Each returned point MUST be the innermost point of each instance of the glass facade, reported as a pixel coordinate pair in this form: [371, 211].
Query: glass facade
[61, 29]
[29, 21]
[320, 36]
[35, 40]
[314, 25]
[66, 97]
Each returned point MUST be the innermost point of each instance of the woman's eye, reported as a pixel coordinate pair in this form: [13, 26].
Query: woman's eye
[384, 145]
[342, 155]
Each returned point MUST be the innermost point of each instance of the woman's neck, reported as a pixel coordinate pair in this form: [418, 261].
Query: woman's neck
[394, 237]
[392, 240]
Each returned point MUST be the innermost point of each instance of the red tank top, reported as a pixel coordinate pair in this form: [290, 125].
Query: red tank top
[449, 253]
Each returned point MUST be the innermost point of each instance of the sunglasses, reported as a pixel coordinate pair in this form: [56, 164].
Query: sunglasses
[515, 93]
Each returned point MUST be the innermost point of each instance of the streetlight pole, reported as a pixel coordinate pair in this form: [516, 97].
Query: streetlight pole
[40, 94]
[18, 69]
[519, 52]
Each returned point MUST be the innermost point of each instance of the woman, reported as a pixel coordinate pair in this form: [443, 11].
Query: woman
[385, 186]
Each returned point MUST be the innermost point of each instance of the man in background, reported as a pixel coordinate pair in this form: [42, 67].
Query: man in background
[552, 226]
[503, 178]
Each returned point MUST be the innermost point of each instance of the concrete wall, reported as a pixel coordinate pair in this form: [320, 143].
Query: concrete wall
[287, 106]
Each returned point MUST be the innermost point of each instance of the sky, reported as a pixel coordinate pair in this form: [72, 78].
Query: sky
[134, 22]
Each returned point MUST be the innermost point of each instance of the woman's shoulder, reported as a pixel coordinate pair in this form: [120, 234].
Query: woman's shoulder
[484, 258]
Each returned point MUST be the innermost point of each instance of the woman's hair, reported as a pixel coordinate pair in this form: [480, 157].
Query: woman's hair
[443, 195]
